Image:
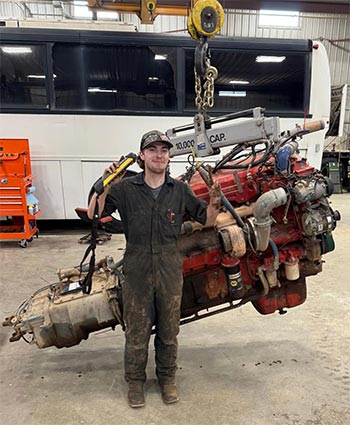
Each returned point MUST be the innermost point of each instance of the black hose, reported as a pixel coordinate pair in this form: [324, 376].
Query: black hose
[232, 211]
[230, 156]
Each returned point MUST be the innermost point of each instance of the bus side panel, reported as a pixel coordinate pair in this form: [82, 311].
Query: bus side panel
[72, 183]
[311, 147]
[49, 189]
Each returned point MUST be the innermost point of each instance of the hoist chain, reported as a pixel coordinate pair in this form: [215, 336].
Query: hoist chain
[205, 85]
[198, 101]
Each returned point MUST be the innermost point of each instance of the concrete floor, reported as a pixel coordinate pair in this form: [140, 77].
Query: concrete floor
[234, 368]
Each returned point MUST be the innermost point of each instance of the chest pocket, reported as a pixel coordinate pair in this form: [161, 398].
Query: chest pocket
[139, 222]
[171, 220]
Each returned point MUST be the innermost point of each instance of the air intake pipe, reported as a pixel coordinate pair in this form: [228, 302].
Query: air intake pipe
[262, 220]
[283, 156]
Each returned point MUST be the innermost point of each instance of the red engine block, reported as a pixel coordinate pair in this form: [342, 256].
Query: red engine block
[205, 277]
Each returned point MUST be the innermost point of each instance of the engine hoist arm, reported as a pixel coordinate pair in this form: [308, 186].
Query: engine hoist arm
[255, 128]
[186, 139]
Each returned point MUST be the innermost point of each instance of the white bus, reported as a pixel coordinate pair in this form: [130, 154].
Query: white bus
[84, 98]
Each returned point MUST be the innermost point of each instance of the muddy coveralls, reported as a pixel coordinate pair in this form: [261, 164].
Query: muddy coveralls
[153, 269]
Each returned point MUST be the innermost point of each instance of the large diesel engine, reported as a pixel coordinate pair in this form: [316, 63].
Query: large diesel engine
[274, 226]
[264, 246]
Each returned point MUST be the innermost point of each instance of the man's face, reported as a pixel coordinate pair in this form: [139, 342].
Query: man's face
[156, 157]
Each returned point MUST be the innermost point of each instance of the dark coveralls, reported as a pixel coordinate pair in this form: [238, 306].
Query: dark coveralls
[153, 269]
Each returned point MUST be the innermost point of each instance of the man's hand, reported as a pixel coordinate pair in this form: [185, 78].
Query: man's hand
[214, 203]
[215, 195]
[112, 169]
[213, 186]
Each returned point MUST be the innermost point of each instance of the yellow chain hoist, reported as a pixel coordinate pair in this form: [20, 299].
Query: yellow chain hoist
[205, 20]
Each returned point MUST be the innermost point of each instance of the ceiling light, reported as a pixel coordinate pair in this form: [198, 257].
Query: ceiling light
[227, 93]
[39, 77]
[16, 49]
[99, 90]
[270, 58]
[279, 19]
[239, 82]
[160, 57]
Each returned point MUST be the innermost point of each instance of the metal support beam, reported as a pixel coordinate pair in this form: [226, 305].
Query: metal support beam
[140, 9]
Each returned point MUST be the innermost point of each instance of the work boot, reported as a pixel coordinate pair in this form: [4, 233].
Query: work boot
[136, 397]
[169, 393]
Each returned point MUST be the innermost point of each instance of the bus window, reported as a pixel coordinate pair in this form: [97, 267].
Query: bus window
[69, 82]
[115, 78]
[22, 76]
[131, 78]
[244, 83]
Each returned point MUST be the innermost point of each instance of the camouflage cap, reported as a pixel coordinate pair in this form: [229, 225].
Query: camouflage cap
[154, 136]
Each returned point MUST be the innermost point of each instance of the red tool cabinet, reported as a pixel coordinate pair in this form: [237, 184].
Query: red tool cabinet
[18, 219]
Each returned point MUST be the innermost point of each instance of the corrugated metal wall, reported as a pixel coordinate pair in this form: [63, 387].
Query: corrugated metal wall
[43, 9]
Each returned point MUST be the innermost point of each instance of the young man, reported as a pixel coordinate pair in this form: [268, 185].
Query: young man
[151, 206]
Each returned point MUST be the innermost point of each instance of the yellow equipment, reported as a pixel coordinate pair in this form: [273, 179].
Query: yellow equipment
[104, 181]
[205, 19]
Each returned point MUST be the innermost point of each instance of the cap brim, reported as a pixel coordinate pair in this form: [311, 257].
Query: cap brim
[165, 142]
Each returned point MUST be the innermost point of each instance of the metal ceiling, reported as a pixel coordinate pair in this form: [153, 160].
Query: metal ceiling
[312, 6]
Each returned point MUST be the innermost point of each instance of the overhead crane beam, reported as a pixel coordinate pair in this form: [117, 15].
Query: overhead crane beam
[146, 10]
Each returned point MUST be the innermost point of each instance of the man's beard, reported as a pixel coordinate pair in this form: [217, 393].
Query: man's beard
[157, 170]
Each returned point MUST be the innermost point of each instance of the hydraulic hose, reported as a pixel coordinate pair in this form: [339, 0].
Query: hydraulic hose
[275, 254]
[274, 248]
[232, 211]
